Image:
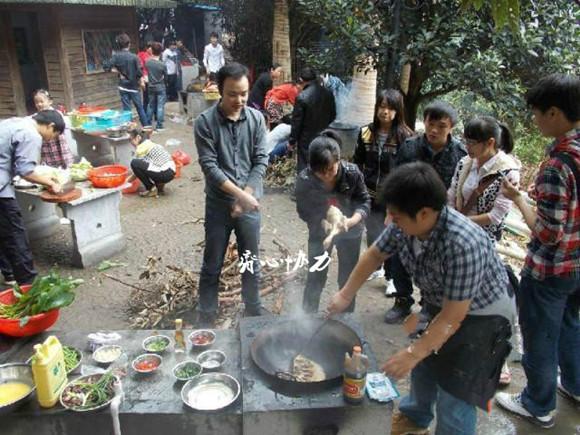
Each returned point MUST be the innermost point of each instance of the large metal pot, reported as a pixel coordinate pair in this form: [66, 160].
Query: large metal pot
[274, 349]
[348, 134]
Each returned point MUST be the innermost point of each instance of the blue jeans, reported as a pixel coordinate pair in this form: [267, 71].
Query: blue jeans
[134, 97]
[454, 416]
[548, 314]
[156, 106]
[279, 151]
[218, 227]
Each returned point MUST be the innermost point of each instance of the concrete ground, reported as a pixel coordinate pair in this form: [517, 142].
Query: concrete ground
[162, 227]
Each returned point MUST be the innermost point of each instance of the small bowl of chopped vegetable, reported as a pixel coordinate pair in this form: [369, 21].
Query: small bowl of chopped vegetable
[147, 363]
[211, 360]
[202, 338]
[107, 354]
[187, 370]
[156, 343]
[72, 358]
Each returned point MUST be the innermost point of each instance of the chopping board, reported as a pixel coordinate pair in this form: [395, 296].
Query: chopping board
[65, 197]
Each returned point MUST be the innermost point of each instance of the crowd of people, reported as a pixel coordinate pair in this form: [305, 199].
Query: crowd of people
[434, 206]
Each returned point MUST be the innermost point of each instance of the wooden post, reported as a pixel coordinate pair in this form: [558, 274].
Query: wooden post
[16, 78]
[63, 56]
[281, 40]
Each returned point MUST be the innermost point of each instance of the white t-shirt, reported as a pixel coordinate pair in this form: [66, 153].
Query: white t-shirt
[169, 57]
[213, 57]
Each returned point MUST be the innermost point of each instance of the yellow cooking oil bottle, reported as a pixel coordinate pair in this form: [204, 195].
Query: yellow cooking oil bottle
[48, 371]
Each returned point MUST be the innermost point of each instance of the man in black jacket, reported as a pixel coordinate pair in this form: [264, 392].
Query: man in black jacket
[328, 182]
[313, 112]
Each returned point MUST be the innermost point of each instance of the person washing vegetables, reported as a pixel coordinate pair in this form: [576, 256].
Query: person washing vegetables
[20, 142]
[153, 165]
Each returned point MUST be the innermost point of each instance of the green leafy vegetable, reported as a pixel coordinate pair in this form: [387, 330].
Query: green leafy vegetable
[104, 265]
[47, 293]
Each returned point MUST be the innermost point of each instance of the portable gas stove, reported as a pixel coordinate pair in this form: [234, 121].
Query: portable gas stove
[270, 407]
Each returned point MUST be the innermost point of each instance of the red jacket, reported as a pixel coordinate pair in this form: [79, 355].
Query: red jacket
[286, 92]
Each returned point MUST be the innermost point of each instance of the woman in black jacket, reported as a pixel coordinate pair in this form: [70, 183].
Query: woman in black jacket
[330, 181]
[375, 155]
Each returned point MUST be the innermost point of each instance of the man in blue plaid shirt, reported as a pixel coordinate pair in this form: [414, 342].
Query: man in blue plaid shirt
[456, 363]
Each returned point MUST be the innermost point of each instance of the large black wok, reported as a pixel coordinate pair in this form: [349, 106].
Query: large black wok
[274, 349]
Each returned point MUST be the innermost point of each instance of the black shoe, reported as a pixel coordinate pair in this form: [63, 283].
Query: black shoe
[254, 312]
[203, 319]
[400, 310]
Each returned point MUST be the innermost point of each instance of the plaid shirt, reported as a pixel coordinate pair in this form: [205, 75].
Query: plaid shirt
[555, 246]
[457, 262]
[56, 153]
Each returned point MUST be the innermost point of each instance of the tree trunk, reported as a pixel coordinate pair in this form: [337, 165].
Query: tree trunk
[361, 104]
[281, 40]
[413, 97]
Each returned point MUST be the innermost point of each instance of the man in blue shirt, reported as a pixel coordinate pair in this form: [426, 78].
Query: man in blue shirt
[464, 286]
[20, 142]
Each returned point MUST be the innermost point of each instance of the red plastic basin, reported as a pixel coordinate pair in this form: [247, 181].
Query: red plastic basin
[108, 176]
[35, 325]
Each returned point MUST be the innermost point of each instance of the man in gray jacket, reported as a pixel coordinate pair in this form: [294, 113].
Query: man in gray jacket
[230, 140]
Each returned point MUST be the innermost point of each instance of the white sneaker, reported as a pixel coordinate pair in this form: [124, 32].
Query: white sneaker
[513, 403]
[380, 273]
[390, 289]
[568, 395]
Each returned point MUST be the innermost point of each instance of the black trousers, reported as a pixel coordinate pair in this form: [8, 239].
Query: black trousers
[14, 247]
[172, 87]
[150, 178]
[348, 251]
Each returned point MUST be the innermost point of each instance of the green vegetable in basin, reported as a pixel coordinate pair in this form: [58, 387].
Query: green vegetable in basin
[47, 293]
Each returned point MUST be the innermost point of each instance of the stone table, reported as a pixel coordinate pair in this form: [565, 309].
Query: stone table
[100, 149]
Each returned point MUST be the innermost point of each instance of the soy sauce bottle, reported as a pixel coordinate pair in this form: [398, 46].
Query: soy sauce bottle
[355, 376]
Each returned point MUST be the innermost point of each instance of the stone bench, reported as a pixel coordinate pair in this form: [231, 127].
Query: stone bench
[95, 221]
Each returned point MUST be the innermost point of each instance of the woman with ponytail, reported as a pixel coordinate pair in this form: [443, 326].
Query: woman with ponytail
[329, 181]
[476, 185]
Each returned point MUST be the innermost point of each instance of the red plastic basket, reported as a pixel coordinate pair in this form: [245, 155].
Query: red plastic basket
[133, 188]
[36, 324]
[108, 176]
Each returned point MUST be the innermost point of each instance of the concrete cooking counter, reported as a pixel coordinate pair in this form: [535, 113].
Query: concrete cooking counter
[153, 405]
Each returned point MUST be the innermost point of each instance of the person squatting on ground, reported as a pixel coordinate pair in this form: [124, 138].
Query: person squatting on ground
[56, 152]
[549, 297]
[152, 164]
[313, 112]
[330, 181]
[128, 66]
[464, 286]
[157, 96]
[375, 154]
[443, 151]
[231, 140]
[20, 143]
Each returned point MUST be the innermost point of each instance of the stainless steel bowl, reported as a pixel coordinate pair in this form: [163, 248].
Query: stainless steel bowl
[186, 363]
[153, 338]
[210, 392]
[99, 354]
[204, 332]
[212, 360]
[150, 357]
[16, 372]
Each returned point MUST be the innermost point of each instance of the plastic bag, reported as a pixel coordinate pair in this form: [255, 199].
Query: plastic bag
[182, 157]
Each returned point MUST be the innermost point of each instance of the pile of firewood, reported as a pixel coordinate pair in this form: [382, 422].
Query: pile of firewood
[167, 292]
[282, 173]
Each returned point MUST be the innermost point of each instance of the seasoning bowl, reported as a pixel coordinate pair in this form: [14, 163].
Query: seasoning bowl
[192, 366]
[107, 354]
[202, 338]
[16, 372]
[152, 359]
[212, 360]
[156, 343]
[210, 392]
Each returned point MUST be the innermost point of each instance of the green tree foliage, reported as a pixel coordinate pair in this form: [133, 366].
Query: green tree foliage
[456, 45]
